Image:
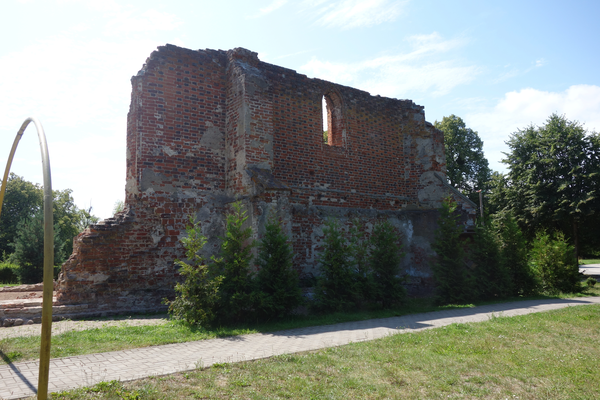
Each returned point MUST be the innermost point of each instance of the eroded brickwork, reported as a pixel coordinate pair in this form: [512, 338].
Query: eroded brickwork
[208, 127]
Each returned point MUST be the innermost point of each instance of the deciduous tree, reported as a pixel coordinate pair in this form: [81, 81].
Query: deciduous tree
[467, 167]
[21, 200]
[29, 248]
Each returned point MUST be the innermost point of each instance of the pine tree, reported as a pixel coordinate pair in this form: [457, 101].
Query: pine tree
[238, 299]
[453, 282]
[359, 250]
[198, 296]
[513, 254]
[386, 256]
[492, 278]
[336, 286]
[277, 282]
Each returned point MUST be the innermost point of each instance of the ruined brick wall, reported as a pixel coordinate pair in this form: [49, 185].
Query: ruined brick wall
[175, 168]
[207, 127]
[380, 163]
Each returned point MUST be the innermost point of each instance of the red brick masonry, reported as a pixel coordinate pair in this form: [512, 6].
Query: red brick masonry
[208, 127]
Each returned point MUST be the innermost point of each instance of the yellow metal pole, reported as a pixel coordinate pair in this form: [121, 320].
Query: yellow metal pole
[48, 251]
[9, 162]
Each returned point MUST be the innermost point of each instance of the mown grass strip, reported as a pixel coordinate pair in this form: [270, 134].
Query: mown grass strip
[551, 355]
[128, 337]
[115, 338]
[588, 262]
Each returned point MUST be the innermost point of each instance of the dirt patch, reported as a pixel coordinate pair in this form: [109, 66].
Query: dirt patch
[34, 291]
[19, 295]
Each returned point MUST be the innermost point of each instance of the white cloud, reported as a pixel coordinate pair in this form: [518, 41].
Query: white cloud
[71, 81]
[519, 109]
[80, 91]
[432, 43]
[77, 83]
[127, 20]
[123, 19]
[276, 4]
[401, 75]
[97, 5]
[347, 14]
[514, 72]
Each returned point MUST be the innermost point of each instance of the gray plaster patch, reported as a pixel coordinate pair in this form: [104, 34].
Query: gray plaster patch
[97, 278]
[131, 186]
[213, 139]
[157, 234]
[432, 191]
[151, 178]
[168, 151]
[424, 152]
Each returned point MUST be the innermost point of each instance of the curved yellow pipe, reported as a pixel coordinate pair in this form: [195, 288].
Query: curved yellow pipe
[48, 250]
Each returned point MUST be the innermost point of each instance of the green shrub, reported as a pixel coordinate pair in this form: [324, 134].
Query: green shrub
[554, 263]
[336, 285]
[57, 270]
[198, 295]
[238, 300]
[277, 282]
[8, 273]
[454, 284]
[386, 256]
[514, 254]
[359, 251]
[492, 278]
[591, 281]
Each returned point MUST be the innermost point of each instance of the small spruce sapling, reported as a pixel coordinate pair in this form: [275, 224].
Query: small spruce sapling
[513, 254]
[238, 299]
[453, 283]
[335, 289]
[198, 296]
[277, 282]
[386, 256]
[359, 250]
[492, 277]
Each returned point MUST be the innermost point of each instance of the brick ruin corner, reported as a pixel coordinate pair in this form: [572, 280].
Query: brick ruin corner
[207, 127]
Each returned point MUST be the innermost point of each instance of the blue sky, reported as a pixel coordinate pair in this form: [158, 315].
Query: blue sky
[498, 65]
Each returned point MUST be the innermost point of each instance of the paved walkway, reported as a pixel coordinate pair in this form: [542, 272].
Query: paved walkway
[590, 269]
[19, 380]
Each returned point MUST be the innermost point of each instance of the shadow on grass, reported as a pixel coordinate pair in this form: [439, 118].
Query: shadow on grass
[419, 314]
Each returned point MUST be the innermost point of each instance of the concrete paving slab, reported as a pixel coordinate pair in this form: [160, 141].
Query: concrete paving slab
[19, 380]
[590, 269]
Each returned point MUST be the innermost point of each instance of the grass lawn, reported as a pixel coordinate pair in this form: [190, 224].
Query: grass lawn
[588, 262]
[550, 355]
[115, 338]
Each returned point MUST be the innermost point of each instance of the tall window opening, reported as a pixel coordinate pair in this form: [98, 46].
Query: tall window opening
[332, 119]
[325, 120]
